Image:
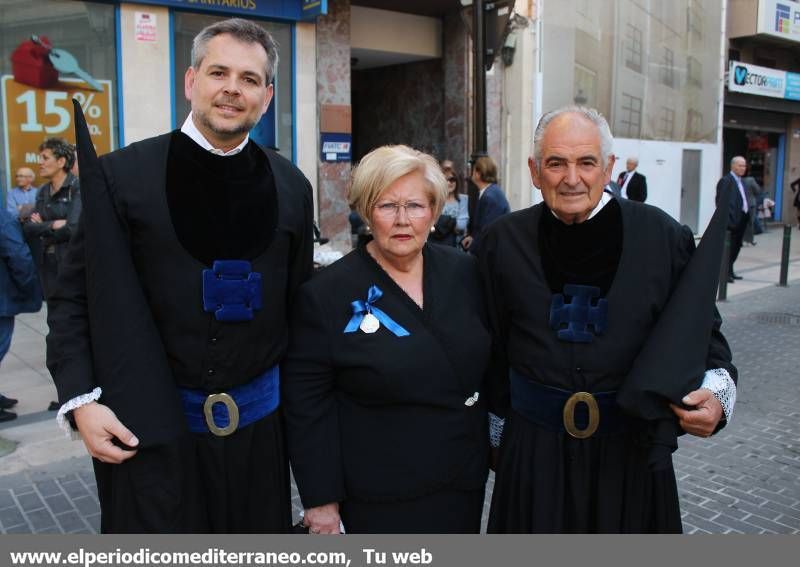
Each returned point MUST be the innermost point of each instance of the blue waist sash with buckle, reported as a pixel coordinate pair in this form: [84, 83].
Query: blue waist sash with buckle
[581, 414]
[225, 412]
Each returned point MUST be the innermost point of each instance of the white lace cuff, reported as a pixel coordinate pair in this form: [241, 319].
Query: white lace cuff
[723, 387]
[496, 425]
[75, 403]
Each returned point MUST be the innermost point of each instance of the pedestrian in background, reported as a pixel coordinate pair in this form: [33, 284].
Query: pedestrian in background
[492, 203]
[738, 210]
[21, 199]
[58, 207]
[19, 290]
[452, 223]
[632, 184]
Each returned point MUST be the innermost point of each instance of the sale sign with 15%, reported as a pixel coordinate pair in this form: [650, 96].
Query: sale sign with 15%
[36, 101]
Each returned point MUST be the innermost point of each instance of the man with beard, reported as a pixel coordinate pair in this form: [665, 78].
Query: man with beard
[169, 322]
[578, 286]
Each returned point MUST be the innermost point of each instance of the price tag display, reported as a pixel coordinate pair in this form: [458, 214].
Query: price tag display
[31, 114]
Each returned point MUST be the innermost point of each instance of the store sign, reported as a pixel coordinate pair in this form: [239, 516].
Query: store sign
[284, 10]
[336, 146]
[32, 114]
[763, 81]
[779, 18]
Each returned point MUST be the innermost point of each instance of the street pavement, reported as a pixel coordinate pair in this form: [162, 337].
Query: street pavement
[746, 479]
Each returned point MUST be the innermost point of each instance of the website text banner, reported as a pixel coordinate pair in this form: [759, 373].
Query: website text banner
[396, 551]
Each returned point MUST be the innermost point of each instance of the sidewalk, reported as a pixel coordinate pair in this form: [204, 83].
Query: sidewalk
[746, 479]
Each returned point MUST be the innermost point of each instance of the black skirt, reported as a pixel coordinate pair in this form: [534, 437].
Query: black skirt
[201, 483]
[443, 512]
[548, 482]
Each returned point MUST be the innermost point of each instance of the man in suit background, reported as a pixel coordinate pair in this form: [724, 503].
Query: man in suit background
[632, 184]
[754, 195]
[491, 202]
[738, 209]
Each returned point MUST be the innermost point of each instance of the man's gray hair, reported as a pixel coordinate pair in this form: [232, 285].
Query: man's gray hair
[606, 139]
[242, 30]
[734, 159]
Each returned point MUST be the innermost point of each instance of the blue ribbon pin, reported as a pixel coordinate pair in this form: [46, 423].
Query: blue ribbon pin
[361, 308]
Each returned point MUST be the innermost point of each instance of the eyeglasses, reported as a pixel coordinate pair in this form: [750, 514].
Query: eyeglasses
[391, 210]
[451, 180]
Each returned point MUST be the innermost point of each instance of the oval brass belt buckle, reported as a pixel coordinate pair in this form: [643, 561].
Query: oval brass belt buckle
[569, 415]
[233, 414]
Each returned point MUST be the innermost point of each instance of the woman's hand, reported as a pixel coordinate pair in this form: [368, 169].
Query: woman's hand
[323, 519]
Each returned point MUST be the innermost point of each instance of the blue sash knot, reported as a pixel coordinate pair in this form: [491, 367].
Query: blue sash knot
[361, 308]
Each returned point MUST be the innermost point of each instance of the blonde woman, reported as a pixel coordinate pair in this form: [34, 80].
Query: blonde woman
[382, 385]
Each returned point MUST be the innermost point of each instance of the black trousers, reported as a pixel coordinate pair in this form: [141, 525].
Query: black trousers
[201, 483]
[737, 236]
[48, 274]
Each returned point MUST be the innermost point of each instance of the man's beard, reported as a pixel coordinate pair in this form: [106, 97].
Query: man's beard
[229, 132]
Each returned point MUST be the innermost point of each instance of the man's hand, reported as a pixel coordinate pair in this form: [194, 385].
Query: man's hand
[36, 218]
[98, 426]
[323, 519]
[466, 242]
[703, 418]
[58, 224]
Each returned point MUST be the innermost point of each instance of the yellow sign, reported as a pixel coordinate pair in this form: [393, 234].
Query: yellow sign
[32, 114]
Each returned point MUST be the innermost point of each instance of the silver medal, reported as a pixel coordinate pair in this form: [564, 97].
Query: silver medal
[370, 323]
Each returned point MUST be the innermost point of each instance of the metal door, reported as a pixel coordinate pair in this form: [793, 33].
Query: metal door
[690, 188]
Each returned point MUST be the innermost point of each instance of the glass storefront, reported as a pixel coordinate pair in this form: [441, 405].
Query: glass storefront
[275, 128]
[36, 96]
[650, 67]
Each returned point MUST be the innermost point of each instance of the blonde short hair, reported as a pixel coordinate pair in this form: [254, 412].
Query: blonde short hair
[383, 166]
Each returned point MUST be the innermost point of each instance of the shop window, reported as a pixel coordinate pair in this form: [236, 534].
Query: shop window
[633, 48]
[631, 117]
[275, 128]
[36, 97]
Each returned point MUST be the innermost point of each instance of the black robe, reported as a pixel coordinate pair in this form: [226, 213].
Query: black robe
[178, 208]
[381, 423]
[548, 481]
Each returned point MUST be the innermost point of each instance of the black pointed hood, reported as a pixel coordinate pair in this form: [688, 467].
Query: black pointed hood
[128, 358]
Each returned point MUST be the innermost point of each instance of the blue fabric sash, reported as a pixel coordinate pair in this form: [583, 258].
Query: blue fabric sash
[231, 291]
[361, 308]
[255, 399]
[544, 406]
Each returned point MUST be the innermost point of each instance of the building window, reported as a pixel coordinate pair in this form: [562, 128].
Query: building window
[668, 67]
[694, 72]
[585, 87]
[275, 128]
[633, 48]
[694, 19]
[694, 125]
[666, 123]
[631, 117]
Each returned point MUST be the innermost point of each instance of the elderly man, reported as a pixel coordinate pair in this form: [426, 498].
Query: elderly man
[571, 459]
[632, 184]
[20, 199]
[170, 319]
[739, 210]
